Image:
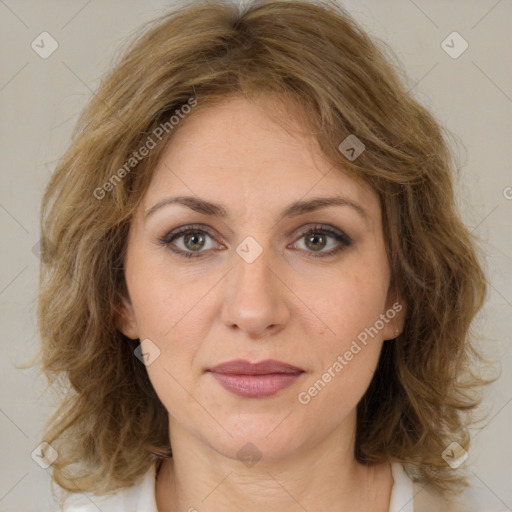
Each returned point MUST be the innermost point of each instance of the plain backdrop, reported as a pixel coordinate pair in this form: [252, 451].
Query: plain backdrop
[40, 99]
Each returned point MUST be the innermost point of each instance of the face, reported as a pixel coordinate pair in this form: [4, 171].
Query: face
[253, 280]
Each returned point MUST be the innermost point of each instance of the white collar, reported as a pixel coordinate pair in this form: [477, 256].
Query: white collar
[402, 493]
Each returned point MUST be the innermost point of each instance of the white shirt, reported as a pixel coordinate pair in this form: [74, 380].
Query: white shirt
[406, 496]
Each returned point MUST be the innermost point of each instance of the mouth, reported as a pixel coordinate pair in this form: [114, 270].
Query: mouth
[255, 380]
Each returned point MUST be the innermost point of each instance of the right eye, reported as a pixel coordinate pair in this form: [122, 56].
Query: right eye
[192, 240]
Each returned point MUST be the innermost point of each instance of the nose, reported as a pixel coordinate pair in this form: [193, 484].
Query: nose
[255, 297]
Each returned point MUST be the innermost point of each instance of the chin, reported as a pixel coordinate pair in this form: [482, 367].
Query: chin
[256, 440]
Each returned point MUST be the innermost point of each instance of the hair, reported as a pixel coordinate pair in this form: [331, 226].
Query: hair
[338, 81]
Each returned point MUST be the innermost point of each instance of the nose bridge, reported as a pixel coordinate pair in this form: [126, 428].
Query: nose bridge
[255, 259]
[252, 274]
[254, 299]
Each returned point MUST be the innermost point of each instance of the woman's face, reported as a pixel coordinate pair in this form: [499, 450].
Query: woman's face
[255, 287]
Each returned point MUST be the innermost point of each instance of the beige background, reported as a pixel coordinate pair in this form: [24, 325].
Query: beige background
[41, 98]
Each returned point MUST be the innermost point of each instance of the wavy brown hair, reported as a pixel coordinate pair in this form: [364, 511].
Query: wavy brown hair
[337, 81]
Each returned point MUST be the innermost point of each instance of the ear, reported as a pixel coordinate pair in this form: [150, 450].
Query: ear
[125, 319]
[395, 315]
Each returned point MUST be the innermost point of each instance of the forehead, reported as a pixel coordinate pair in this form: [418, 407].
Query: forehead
[250, 156]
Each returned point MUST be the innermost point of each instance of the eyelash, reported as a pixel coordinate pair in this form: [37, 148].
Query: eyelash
[340, 237]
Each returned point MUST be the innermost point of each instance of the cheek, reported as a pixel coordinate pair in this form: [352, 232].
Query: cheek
[163, 298]
[348, 306]
[345, 367]
[345, 303]
[173, 310]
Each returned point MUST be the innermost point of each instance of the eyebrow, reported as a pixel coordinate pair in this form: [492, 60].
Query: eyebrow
[293, 210]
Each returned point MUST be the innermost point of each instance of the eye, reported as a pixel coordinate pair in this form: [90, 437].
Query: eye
[317, 238]
[194, 238]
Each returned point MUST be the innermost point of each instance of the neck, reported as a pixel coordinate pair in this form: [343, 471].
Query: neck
[323, 477]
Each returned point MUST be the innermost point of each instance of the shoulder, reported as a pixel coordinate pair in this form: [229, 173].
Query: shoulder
[138, 497]
[409, 495]
[472, 499]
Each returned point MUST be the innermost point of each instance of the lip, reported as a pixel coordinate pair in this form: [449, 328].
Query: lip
[255, 380]
[243, 367]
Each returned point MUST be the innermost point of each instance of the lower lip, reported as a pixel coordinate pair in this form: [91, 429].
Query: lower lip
[256, 386]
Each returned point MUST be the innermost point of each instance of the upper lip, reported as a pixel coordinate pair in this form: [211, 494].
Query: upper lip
[243, 367]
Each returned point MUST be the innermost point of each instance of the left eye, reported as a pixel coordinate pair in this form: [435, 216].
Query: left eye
[193, 239]
[318, 236]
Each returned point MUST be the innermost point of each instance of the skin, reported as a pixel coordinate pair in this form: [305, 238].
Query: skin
[288, 304]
